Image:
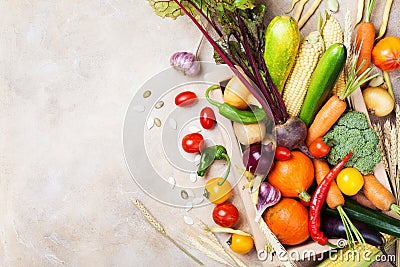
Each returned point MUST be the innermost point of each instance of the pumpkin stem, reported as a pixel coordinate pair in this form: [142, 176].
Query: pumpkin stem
[305, 196]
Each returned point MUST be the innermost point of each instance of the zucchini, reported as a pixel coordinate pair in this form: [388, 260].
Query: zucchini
[375, 219]
[282, 40]
[322, 81]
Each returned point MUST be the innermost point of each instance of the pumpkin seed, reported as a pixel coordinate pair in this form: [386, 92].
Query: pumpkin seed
[157, 122]
[194, 129]
[333, 5]
[198, 200]
[190, 192]
[188, 220]
[146, 94]
[159, 104]
[173, 123]
[139, 108]
[193, 177]
[172, 182]
[150, 123]
[184, 194]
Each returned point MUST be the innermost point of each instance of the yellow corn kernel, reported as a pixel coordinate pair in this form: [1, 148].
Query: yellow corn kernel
[310, 51]
[332, 33]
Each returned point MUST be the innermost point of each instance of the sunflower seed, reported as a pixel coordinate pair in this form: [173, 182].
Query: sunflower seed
[198, 200]
[159, 104]
[146, 94]
[150, 123]
[193, 177]
[173, 123]
[139, 108]
[189, 206]
[157, 122]
[184, 194]
[172, 182]
[333, 5]
[188, 220]
[194, 129]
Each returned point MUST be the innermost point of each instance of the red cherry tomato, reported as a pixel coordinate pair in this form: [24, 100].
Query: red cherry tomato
[282, 153]
[225, 214]
[207, 118]
[185, 99]
[318, 148]
[193, 143]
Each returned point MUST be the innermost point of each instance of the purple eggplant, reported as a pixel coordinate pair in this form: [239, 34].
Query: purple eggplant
[333, 227]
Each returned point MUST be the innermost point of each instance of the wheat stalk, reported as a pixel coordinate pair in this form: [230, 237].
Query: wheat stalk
[381, 147]
[213, 239]
[153, 222]
[195, 243]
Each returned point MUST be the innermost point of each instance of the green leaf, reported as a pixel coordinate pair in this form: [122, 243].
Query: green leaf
[170, 9]
[244, 4]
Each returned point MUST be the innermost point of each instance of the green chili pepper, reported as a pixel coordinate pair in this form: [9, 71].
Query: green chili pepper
[208, 155]
[230, 112]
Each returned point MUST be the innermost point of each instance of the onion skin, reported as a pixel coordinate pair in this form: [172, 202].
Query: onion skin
[378, 101]
[267, 197]
[291, 134]
[386, 54]
[258, 158]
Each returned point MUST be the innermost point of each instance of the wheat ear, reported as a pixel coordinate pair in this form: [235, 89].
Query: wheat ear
[153, 222]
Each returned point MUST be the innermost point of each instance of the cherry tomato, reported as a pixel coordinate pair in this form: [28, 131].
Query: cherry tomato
[217, 194]
[207, 118]
[225, 214]
[350, 181]
[241, 244]
[193, 143]
[185, 99]
[318, 148]
[386, 53]
[282, 153]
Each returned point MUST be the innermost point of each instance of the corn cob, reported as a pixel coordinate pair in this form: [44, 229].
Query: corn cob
[332, 33]
[310, 51]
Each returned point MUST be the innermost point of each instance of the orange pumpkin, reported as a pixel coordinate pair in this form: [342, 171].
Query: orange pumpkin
[294, 176]
[288, 220]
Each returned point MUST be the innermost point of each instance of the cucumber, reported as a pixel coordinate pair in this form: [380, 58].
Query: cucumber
[282, 40]
[322, 81]
[375, 219]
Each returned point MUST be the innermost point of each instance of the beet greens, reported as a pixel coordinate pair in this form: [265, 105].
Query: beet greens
[239, 27]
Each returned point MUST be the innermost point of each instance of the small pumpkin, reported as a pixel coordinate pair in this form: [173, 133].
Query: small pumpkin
[293, 176]
[288, 220]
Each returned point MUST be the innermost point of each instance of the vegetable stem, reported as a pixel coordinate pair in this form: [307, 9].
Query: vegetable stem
[370, 7]
[360, 12]
[385, 19]
[228, 160]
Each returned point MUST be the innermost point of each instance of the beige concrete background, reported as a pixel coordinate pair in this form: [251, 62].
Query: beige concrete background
[68, 70]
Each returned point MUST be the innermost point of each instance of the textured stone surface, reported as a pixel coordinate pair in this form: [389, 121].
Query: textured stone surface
[68, 70]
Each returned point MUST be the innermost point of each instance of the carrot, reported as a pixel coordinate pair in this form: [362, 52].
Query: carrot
[326, 118]
[336, 105]
[335, 197]
[335, 200]
[379, 195]
[365, 40]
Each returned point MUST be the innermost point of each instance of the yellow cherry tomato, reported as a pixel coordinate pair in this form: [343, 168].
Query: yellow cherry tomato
[241, 244]
[217, 194]
[350, 181]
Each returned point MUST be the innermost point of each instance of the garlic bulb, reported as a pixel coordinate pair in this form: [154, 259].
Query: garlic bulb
[185, 62]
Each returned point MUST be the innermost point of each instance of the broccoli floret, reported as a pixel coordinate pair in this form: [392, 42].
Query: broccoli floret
[351, 133]
[354, 120]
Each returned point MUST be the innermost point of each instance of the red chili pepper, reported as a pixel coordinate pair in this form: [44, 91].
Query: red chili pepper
[282, 153]
[318, 200]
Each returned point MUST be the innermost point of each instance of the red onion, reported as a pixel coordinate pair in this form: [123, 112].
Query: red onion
[267, 197]
[258, 158]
